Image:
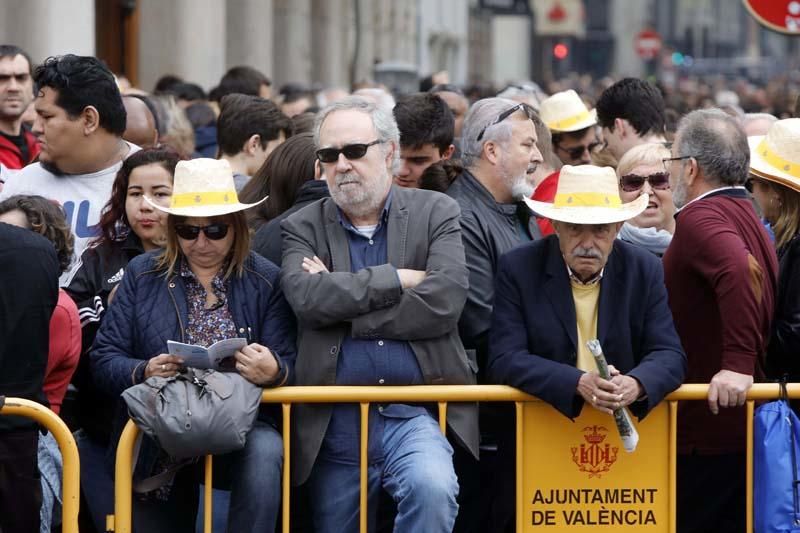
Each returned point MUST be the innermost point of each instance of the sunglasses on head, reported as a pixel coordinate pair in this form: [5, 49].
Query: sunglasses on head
[350, 151]
[633, 182]
[212, 232]
[576, 152]
[529, 112]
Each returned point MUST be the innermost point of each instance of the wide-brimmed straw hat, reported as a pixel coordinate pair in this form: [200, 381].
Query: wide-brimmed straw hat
[565, 111]
[776, 155]
[203, 188]
[587, 194]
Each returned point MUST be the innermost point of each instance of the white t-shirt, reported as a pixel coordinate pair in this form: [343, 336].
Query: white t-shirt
[81, 195]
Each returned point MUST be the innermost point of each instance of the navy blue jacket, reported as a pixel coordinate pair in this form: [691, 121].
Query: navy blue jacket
[150, 309]
[533, 339]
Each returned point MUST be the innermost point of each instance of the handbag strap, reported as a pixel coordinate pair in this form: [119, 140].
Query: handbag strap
[159, 480]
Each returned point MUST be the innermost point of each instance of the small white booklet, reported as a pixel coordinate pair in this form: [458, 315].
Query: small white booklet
[218, 356]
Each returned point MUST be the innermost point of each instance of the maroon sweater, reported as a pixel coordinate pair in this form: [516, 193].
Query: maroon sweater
[721, 275]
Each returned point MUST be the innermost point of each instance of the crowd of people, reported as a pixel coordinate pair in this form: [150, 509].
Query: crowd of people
[440, 237]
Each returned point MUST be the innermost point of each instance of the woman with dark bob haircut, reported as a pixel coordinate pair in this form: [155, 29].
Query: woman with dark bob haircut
[128, 227]
[291, 177]
[203, 287]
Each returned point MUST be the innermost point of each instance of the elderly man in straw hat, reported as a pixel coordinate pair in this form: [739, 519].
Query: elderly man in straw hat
[554, 295]
[720, 270]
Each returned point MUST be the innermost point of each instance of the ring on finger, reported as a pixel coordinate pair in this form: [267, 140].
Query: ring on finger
[163, 367]
[594, 398]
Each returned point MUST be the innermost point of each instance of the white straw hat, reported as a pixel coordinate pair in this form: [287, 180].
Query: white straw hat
[565, 111]
[776, 155]
[587, 194]
[203, 188]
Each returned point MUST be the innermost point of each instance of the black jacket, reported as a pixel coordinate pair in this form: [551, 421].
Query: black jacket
[29, 273]
[100, 270]
[488, 229]
[267, 241]
[783, 354]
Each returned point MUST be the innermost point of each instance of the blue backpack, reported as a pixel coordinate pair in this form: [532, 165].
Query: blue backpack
[776, 448]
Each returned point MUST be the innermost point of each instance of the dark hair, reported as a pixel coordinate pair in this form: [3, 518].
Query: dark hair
[286, 169]
[114, 225]
[635, 100]
[440, 175]
[424, 118]
[12, 51]
[187, 91]
[426, 83]
[241, 116]
[558, 136]
[46, 218]
[166, 82]
[200, 114]
[304, 122]
[83, 81]
[241, 80]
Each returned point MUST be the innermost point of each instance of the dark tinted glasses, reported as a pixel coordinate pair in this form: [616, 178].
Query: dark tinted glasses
[633, 182]
[213, 232]
[576, 152]
[350, 151]
[529, 111]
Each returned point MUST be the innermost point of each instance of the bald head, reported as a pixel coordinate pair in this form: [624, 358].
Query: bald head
[140, 128]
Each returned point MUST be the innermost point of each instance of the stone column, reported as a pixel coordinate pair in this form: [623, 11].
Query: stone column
[292, 41]
[44, 28]
[182, 37]
[330, 57]
[249, 31]
[366, 50]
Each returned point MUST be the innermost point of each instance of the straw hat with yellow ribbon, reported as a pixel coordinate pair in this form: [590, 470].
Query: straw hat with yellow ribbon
[203, 188]
[776, 155]
[587, 194]
[565, 111]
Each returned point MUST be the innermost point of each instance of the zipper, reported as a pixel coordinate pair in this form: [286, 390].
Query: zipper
[171, 286]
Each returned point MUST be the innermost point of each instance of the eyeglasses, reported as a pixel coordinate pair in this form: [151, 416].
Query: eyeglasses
[212, 232]
[633, 182]
[575, 152]
[529, 112]
[350, 151]
[667, 160]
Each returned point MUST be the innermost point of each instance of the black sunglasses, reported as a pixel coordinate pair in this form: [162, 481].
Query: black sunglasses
[575, 152]
[529, 111]
[633, 182]
[350, 151]
[212, 232]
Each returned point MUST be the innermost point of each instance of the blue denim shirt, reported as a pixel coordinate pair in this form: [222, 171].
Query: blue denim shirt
[369, 362]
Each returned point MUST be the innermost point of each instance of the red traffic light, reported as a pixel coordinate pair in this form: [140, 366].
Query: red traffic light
[560, 51]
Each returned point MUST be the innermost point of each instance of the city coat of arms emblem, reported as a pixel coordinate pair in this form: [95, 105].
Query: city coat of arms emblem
[595, 456]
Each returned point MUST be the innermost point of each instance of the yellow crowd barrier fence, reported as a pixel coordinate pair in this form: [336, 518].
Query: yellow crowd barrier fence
[592, 459]
[71, 479]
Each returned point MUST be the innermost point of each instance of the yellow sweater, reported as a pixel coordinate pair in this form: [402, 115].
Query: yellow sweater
[586, 298]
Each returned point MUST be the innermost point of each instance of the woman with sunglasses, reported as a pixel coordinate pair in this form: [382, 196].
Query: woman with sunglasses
[641, 170]
[128, 227]
[204, 286]
[775, 185]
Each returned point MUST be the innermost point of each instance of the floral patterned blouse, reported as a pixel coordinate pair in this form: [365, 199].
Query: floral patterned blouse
[207, 326]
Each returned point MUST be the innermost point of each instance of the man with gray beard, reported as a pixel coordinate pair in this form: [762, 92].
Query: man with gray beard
[377, 278]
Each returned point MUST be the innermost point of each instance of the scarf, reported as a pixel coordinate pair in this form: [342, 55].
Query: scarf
[651, 239]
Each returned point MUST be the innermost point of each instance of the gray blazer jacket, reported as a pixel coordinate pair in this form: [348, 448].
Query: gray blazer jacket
[423, 234]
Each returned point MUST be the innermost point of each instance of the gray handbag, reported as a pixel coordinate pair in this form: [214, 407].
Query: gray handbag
[196, 412]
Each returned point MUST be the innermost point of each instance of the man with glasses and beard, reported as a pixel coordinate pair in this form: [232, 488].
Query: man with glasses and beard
[377, 279]
[721, 276]
[80, 119]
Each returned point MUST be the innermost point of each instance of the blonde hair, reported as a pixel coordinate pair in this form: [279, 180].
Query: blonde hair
[169, 257]
[788, 223]
[643, 154]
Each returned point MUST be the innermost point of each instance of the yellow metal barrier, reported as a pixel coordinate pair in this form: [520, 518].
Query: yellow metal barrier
[70, 483]
[120, 522]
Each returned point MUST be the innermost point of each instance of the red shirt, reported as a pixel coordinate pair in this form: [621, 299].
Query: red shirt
[65, 350]
[10, 155]
[546, 192]
[721, 275]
